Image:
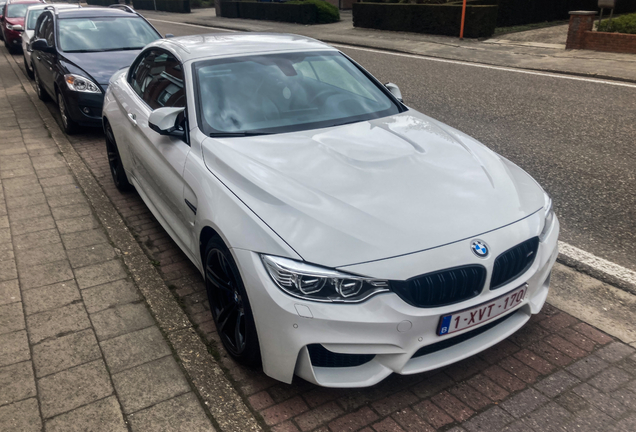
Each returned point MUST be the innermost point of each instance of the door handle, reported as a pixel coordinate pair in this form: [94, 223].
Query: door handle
[39, 58]
[133, 118]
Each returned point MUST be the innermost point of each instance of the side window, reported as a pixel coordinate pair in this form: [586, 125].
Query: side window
[137, 74]
[39, 26]
[158, 80]
[45, 30]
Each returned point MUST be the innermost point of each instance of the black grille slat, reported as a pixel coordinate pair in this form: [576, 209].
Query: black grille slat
[322, 357]
[443, 287]
[514, 262]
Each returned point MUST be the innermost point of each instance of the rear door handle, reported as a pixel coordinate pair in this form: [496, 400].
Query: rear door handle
[133, 118]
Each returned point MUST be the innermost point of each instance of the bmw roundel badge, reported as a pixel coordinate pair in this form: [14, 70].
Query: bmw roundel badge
[479, 248]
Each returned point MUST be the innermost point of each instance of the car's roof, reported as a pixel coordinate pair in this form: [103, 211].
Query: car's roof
[94, 12]
[223, 44]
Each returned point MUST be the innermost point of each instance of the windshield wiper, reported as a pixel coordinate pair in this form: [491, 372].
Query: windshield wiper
[122, 49]
[237, 134]
[105, 50]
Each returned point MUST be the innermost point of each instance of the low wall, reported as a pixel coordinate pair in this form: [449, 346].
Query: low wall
[581, 36]
[444, 19]
[610, 42]
[295, 13]
[182, 6]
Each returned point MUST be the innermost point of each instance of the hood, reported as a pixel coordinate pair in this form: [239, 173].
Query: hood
[15, 21]
[101, 65]
[375, 189]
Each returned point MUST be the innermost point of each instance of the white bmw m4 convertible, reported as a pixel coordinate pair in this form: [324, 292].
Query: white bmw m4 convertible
[342, 235]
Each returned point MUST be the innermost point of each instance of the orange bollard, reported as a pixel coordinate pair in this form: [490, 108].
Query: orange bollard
[461, 30]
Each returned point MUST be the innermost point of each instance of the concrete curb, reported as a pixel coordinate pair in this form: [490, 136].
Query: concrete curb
[219, 395]
[598, 268]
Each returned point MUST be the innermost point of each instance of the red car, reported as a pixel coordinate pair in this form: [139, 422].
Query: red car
[12, 22]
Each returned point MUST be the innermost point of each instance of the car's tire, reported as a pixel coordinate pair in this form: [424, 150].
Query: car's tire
[69, 126]
[42, 94]
[27, 67]
[230, 305]
[114, 161]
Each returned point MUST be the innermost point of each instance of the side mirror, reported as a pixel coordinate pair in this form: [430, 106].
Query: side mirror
[169, 35]
[395, 91]
[165, 121]
[18, 28]
[40, 45]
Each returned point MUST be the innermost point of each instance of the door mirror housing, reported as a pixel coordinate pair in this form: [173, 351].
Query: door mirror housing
[166, 121]
[395, 91]
[41, 45]
[17, 28]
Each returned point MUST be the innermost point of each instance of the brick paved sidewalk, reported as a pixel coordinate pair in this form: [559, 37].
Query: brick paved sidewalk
[79, 349]
[557, 373]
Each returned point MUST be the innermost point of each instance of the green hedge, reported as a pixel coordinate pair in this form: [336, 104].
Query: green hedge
[182, 6]
[519, 12]
[623, 24]
[444, 19]
[296, 13]
[326, 12]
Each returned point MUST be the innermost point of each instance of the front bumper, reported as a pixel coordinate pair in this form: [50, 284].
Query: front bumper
[385, 326]
[13, 38]
[84, 109]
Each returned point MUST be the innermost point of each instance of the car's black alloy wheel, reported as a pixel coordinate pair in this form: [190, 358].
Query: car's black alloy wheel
[229, 304]
[70, 127]
[27, 66]
[42, 94]
[114, 161]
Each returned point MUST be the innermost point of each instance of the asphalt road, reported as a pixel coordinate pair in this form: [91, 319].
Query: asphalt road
[578, 139]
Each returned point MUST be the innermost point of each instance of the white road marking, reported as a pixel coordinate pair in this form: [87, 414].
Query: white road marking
[441, 60]
[602, 266]
[485, 66]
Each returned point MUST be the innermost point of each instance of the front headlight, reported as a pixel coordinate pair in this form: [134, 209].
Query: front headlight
[79, 83]
[549, 218]
[315, 283]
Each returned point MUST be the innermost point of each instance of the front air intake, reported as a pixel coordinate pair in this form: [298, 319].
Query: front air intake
[322, 357]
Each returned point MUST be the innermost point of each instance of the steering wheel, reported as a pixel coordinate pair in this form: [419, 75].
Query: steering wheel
[323, 93]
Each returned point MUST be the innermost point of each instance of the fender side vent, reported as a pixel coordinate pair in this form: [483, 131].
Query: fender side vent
[322, 357]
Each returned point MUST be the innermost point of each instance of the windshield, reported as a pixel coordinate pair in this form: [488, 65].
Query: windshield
[17, 10]
[33, 18]
[287, 92]
[2, 7]
[104, 34]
